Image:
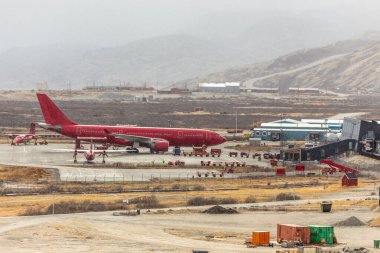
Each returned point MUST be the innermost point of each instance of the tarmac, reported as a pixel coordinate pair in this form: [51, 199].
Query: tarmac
[50, 156]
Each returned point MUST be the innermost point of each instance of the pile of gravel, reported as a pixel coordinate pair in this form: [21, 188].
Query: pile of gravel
[350, 222]
[220, 210]
[355, 250]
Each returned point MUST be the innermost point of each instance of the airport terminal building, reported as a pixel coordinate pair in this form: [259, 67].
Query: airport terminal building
[294, 130]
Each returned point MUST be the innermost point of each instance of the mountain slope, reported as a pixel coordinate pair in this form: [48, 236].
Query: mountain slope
[343, 65]
[25, 67]
[161, 60]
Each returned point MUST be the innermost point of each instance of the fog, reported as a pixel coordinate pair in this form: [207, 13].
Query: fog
[164, 42]
[108, 23]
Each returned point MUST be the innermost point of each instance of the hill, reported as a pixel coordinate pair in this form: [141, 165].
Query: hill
[208, 44]
[158, 60]
[343, 65]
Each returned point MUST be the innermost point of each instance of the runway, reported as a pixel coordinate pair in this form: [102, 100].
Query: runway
[47, 156]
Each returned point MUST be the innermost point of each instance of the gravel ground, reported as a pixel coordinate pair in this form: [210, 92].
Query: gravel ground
[169, 232]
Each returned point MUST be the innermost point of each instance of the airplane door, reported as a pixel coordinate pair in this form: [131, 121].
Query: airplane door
[180, 135]
[78, 131]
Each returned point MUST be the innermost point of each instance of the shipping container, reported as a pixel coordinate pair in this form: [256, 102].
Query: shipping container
[177, 151]
[320, 234]
[280, 171]
[289, 232]
[260, 237]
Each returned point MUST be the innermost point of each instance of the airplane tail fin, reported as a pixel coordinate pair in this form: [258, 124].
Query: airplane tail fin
[32, 128]
[52, 114]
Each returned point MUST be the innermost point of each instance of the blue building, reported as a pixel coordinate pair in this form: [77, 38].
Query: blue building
[294, 130]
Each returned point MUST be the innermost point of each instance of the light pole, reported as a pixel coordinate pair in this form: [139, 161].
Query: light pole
[235, 123]
[53, 211]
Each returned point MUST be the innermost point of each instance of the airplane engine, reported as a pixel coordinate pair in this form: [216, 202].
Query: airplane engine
[160, 146]
[89, 155]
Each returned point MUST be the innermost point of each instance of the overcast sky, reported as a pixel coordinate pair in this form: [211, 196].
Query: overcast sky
[115, 22]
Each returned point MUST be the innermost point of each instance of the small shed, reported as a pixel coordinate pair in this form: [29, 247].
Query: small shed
[350, 179]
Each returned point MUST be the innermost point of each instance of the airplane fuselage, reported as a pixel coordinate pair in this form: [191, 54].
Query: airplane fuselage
[183, 137]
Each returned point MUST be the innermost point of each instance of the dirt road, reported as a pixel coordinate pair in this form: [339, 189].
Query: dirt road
[179, 232]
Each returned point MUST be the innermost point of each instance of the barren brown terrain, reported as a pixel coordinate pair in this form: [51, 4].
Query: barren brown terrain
[19, 108]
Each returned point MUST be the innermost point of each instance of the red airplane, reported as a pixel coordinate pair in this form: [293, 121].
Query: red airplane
[17, 139]
[154, 138]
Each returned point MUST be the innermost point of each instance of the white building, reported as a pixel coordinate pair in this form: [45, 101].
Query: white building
[228, 87]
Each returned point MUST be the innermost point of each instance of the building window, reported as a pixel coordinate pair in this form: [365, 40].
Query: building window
[257, 133]
[336, 150]
[314, 136]
[308, 156]
[350, 145]
[264, 133]
[275, 136]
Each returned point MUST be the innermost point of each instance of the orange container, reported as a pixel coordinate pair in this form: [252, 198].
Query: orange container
[260, 237]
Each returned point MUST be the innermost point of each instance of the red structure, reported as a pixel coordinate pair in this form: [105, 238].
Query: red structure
[339, 167]
[350, 179]
[300, 169]
[289, 232]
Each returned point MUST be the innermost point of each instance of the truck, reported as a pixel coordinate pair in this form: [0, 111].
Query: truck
[215, 152]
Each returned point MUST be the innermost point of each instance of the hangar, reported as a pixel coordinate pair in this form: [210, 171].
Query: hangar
[295, 130]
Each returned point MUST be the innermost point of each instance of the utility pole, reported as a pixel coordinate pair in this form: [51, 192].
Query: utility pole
[236, 123]
[53, 202]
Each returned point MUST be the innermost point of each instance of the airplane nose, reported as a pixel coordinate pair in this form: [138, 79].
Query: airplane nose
[223, 140]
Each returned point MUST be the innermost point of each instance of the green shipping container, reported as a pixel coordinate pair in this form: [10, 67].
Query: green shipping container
[319, 234]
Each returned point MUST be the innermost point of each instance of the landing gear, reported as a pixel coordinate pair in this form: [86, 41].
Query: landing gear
[77, 144]
[104, 154]
[152, 151]
[75, 156]
[132, 150]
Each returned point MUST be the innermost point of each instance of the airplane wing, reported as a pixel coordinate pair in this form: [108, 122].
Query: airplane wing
[136, 138]
[70, 150]
[90, 139]
[96, 151]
